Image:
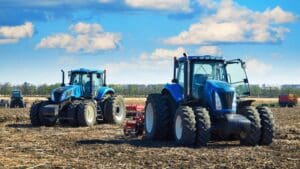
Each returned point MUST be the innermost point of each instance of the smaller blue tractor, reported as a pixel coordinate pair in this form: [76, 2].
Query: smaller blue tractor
[206, 101]
[84, 102]
[16, 99]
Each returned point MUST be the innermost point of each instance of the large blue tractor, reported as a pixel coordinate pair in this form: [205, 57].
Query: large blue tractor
[85, 101]
[204, 102]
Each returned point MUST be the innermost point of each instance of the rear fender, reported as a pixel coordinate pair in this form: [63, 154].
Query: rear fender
[103, 91]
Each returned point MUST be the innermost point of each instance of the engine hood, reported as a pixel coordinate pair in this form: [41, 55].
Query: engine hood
[225, 93]
[220, 86]
[63, 93]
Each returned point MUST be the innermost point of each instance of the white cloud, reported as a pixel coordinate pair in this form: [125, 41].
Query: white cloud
[12, 34]
[255, 67]
[232, 23]
[148, 68]
[170, 5]
[209, 50]
[163, 54]
[88, 38]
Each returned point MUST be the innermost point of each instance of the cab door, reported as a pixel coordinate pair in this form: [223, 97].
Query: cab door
[237, 77]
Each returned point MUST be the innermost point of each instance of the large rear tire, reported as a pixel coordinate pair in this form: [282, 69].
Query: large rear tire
[153, 121]
[251, 138]
[114, 110]
[86, 114]
[185, 126]
[167, 111]
[34, 114]
[203, 126]
[267, 126]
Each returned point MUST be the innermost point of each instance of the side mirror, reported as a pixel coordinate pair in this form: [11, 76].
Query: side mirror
[244, 65]
[174, 81]
[246, 81]
[98, 76]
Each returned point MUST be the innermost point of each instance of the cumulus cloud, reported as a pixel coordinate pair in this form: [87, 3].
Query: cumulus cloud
[12, 34]
[209, 50]
[148, 68]
[232, 23]
[169, 5]
[86, 37]
[257, 67]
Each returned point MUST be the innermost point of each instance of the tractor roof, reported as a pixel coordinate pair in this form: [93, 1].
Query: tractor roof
[83, 70]
[203, 58]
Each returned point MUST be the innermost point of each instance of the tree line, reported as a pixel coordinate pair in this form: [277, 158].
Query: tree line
[135, 90]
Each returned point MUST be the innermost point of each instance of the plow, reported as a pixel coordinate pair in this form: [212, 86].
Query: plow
[134, 125]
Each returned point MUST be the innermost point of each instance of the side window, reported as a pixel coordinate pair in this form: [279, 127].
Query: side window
[180, 75]
[97, 80]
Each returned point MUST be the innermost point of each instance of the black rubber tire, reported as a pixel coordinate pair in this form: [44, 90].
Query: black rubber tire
[251, 138]
[166, 114]
[72, 114]
[17, 103]
[203, 126]
[267, 125]
[82, 114]
[62, 115]
[114, 110]
[34, 114]
[46, 121]
[188, 124]
[153, 103]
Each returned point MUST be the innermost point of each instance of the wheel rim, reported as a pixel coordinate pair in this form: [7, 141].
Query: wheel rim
[90, 114]
[149, 118]
[178, 127]
[118, 113]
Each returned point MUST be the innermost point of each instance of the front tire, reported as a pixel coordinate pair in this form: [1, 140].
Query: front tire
[87, 114]
[267, 125]
[203, 126]
[114, 110]
[185, 126]
[251, 138]
[47, 121]
[34, 114]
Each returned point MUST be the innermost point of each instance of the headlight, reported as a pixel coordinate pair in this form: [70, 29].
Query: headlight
[234, 102]
[218, 101]
[52, 96]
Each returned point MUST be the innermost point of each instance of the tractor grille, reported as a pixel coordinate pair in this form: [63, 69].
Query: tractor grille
[226, 99]
[57, 96]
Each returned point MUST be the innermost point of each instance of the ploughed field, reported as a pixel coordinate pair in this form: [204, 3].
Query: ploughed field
[103, 146]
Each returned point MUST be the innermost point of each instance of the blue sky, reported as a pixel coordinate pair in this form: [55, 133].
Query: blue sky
[135, 40]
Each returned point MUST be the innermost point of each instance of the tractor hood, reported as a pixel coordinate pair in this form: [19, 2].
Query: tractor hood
[63, 93]
[221, 96]
[220, 86]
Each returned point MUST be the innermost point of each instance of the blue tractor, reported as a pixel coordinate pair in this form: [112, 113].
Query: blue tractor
[206, 101]
[84, 102]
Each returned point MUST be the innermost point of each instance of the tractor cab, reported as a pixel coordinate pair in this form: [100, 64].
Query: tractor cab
[210, 81]
[84, 83]
[89, 80]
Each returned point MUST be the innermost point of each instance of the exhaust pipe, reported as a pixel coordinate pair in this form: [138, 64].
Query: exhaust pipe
[63, 78]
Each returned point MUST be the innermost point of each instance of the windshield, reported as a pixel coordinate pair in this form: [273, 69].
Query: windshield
[210, 70]
[206, 70]
[16, 94]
